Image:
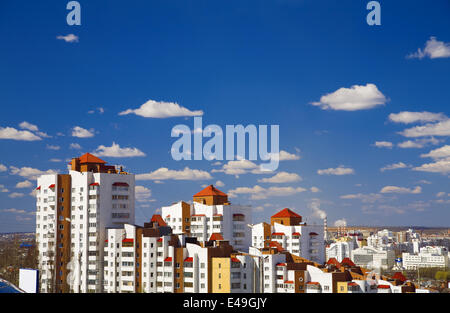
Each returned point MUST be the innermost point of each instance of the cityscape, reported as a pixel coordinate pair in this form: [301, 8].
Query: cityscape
[226, 151]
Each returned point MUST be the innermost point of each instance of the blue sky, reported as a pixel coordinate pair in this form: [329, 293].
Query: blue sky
[240, 62]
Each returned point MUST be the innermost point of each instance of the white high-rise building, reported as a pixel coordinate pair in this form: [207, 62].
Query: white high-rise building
[429, 256]
[211, 213]
[73, 212]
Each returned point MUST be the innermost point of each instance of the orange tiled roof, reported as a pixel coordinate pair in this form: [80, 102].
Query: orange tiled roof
[348, 262]
[89, 158]
[286, 213]
[158, 219]
[216, 236]
[210, 191]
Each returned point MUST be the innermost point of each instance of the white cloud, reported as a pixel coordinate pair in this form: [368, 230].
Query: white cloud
[142, 194]
[161, 109]
[336, 171]
[53, 147]
[239, 167]
[80, 132]
[431, 129]
[15, 211]
[55, 160]
[24, 184]
[3, 189]
[29, 172]
[433, 49]
[285, 156]
[407, 117]
[165, 174]
[418, 143]
[352, 99]
[365, 198]
[340, 223]
[441, 166]
[383, 144]
[317, 211]
[314, 189]
[281, 177]
[115, 151]
[395, 189]
[14, 134]
[440, 194]
[219, 183]
[68, 38]
[28, 126]
[259, 193]
[16, 195]
[3, 168]
[442, 152]
[394, 166]
[99, 109]
[74, 146]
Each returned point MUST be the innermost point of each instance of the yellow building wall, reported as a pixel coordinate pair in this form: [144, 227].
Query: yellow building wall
[221, 269]
[342, 287]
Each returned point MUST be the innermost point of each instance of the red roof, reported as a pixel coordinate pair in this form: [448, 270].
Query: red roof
[38, 188]
[334, 261]
[51, 186]
[288, 282]
[278, 234]
[275, 244]
[121, 184]
[189, 260]
[281, 264]
[347, 261]
[210, 191]
[128, 240]
[198, 215]
[216, 236]
[352, 284]
[384, 287]
[286, 213]
[312, 283]
[238, 214]
[94, 184]
[313, 234]
[89, 158]
[168, 259]
[159, 240]
[235, 260]
[399, 276]
[296, 234]
[156, 218]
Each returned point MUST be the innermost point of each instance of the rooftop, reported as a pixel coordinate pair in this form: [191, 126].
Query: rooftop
[210, 191]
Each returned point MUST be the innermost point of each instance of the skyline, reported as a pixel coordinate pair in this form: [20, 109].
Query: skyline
[364, 126]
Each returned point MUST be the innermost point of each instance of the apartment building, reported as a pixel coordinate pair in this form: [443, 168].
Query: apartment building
[211, 213]
[287, 229]
[429, 256]
[234, 274]
[73, 211]
[340, 249]
[372, 258]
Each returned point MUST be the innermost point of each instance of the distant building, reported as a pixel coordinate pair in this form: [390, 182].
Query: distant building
[372, 258]
[427, 257]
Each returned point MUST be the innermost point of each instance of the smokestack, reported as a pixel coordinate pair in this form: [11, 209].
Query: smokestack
[325, 229]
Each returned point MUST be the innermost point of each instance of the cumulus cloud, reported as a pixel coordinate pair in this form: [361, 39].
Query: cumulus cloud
[281, 177]
[80, 132]
[407, 117]
[165, 174]
[314, 189]
[24, 184]
[219, 183]
[314, 205]
[68, 38]
[115, 151]
[431, 129]
[394, 166]
[3, 168]
[53, 147]
[358, 97]
[442, 152]
[258, 193]
[143, 194]
[285, 156]
[418, 143]
[161, 109]
[433, 49]
[341, 170]
[340, 223]
[395, 189]
[16, 195]
[365, 198]
[14, 134]
[440, 194]
[28, 126]
[239, 167]
[29, 172]
[441, 166]
[383, 144]
[75, 146]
